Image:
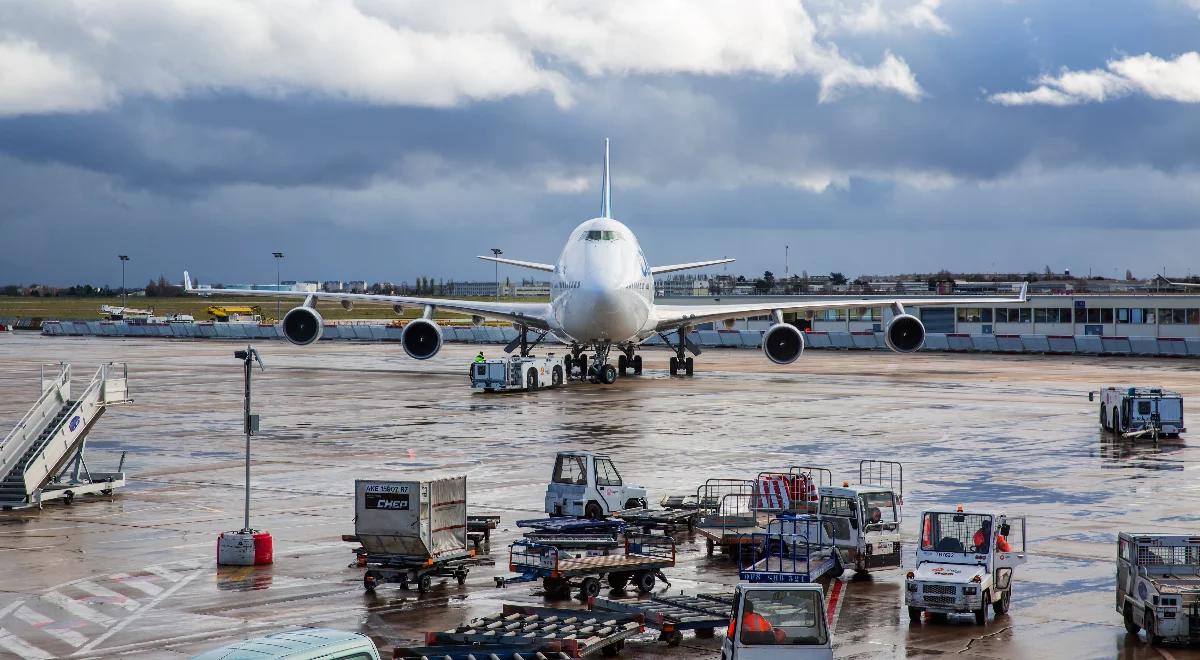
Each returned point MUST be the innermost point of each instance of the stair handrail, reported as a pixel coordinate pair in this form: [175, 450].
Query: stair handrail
[7, 452]
[94, 389]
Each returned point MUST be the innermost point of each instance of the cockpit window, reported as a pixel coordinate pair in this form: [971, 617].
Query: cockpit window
[601, 235]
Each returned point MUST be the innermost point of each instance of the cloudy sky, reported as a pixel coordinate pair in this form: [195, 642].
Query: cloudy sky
[380, 140]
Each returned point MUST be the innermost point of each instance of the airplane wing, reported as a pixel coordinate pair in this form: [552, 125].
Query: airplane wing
[534, 315]
[1182, 285]
[671, 317]
[549, 268]
[656, 270]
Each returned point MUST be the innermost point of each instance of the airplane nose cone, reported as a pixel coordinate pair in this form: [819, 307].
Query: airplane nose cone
[602, 314]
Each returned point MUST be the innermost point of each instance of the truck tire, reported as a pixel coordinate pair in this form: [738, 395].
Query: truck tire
[981, 613]
[618, 581]
[1103, 417]
[556, 588]
[424, 583]
[1152, 638]
[644, 581]
[1131, 627]
[1001, 606]
[914, 614]
[369, 581]
[531, 379]
[1116, 422]
[556, 377]
[593, 511]
[837, 570]
[589, 588]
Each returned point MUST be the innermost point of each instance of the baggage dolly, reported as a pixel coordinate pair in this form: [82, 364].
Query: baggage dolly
[730, 522]
[419, 571]
[642, 562]
[769, 558]
[671, 615]
[479, 529]
[535, 632]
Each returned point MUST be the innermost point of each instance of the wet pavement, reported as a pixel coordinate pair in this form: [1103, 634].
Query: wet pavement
[137, 575]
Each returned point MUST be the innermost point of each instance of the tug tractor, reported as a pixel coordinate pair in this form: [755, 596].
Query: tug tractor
[965, 563]
[587, 485]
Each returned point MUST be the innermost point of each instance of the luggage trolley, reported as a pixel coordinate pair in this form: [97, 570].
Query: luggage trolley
[643, 560]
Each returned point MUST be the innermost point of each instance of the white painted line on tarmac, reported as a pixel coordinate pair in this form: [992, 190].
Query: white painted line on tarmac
[10, 607]
[163, 572]
[109, 596]
[20, 647]
[148, 588]
[137, 615]
[46, 625]
[78, 609]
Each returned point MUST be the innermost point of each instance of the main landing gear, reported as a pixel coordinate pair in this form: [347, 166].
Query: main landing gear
[628, 360]
[680, 362]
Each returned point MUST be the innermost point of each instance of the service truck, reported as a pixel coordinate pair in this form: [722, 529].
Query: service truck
[1140, 412]
[587, 485]
[965, 562]
[1158, 585]
[778, 622]
[516, 373]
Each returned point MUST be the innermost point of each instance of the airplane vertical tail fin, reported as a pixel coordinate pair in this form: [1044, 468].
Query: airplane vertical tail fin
[605, 211]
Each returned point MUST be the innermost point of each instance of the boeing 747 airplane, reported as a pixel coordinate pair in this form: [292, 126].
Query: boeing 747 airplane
[602, 298]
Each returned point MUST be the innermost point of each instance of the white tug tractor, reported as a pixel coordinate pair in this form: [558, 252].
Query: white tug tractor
[587, 485]
[1158, 586]
[965, 562]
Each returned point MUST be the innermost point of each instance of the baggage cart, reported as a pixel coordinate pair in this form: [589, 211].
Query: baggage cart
[642, 561]
[731, 522]
[531, 630]
[671, 615]
[787, 560]
[667, 520]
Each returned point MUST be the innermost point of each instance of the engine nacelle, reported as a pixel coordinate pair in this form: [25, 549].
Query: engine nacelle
[303, 325]
[783, 343]
[422, 339]
[905, 334]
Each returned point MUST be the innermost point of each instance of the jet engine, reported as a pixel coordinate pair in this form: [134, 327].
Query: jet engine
[905, 334]
[783, 343]
[422, 339]
[303, 325]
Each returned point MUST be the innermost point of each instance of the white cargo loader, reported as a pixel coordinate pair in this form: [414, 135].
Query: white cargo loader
[587, 485]
[1136, 412]
[778, 622]
[517, 373]
[965, 562]
[1158, 589]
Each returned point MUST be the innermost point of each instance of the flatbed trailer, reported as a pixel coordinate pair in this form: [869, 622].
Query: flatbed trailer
[731, 522]
[530, 630]
[671, 615]
[567, 525]
[667, 520]
[479, 529]
[599, 544]
[641, 563]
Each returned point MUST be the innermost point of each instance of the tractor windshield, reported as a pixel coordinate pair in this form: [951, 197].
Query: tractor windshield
[793, 617]
[967, 533]
[570, 470]
[878, 507]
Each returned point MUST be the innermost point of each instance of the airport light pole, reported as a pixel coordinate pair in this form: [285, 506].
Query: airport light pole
[247, 546]
[278, 257]
[250, 422]
[786, 248]
[123, 258]
[496, 252]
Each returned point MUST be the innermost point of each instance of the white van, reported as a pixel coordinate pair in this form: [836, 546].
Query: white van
[300, 644]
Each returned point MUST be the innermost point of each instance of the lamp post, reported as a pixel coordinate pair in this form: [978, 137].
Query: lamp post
[247, 546]
[278, 256]
[785, 260]
[496, 252]
[123, 258]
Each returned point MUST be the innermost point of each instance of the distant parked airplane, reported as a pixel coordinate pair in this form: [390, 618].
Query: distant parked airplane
[601, 298]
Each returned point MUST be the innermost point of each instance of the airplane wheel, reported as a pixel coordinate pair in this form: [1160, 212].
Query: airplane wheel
[622, 364]
[637, 365]
[608, 374]
[674, 368]
[688, 366]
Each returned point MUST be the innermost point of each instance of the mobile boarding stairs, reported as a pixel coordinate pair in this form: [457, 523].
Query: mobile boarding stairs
[42, 458]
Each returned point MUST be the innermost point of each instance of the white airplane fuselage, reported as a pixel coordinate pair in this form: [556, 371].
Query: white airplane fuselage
[603, 290]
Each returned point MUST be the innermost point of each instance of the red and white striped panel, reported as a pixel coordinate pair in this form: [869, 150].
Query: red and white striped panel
[773, 493]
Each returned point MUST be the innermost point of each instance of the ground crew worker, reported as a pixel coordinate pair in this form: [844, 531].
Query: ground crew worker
[982, 536]
[755, 627]
[479, 358]
[1002, 544]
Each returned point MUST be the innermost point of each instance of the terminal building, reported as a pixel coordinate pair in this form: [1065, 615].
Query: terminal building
[1108, 315]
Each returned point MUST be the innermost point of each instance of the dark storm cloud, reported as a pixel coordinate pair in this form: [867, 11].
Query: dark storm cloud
[703, 166]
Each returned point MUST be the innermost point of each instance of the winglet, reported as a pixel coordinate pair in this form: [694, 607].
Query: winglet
[1024, 291]
[187, 281]
[605, 211]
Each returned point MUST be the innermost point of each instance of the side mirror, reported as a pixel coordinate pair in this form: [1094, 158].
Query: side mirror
[1005, 529]
[1091, 396]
